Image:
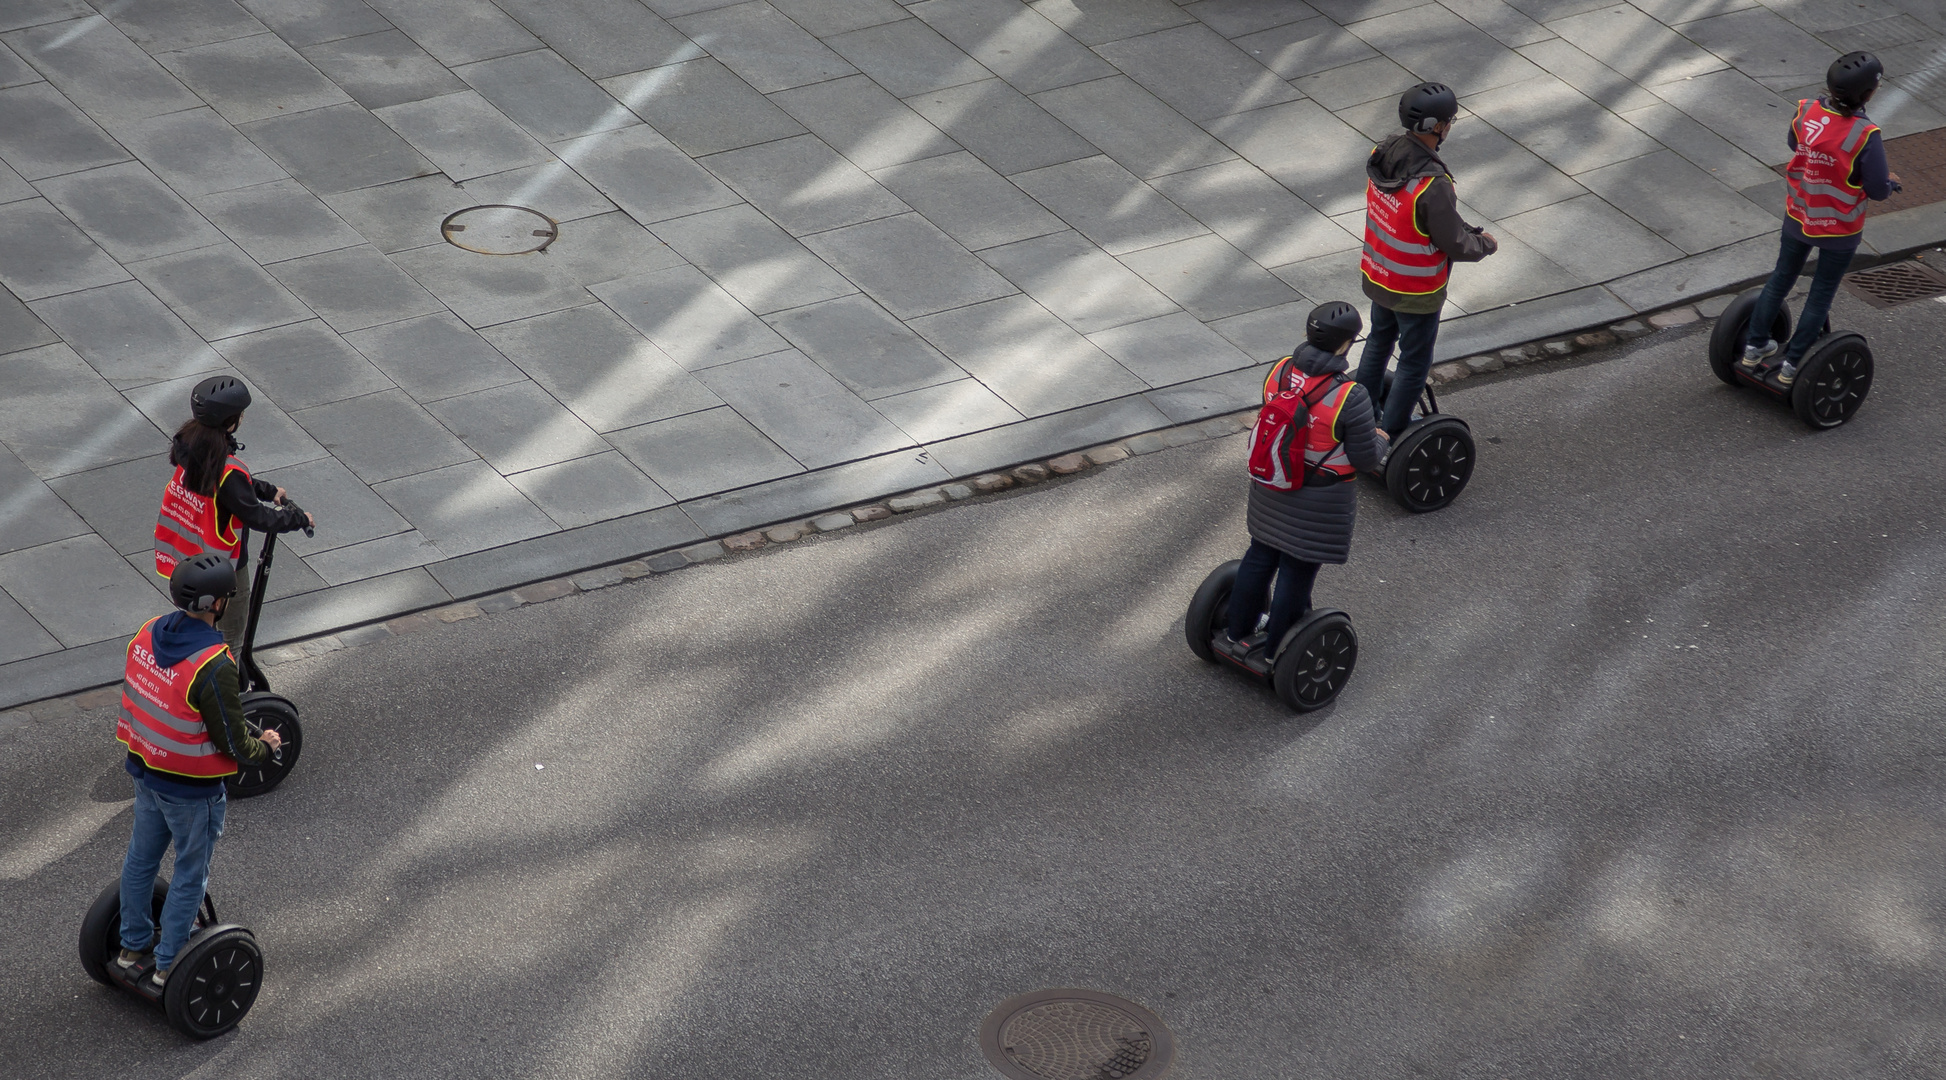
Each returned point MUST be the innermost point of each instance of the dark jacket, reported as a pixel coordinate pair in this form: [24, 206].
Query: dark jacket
[214, 692]
[248, 501]
[1314, 523]
[1397, 162]
[1871, 171]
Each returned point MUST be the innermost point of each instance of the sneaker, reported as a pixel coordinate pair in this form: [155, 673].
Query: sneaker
[1787, 374]
[157, 979]
[1757, 354]
[130, 959]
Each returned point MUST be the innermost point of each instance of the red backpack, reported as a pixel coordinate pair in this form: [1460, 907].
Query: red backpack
[1291, 423]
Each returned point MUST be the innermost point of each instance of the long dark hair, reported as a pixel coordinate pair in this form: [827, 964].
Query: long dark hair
[200, 450]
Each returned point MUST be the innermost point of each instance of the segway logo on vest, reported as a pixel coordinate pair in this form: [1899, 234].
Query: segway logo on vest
[167, 675]
[1820, 157]
[1391, 201]
[195, 501]
[1813, 127]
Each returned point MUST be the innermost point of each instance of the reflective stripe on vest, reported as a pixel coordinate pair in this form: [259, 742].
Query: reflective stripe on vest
[1399, 256]
[188, 523]
[157, 722]
[1822, 199]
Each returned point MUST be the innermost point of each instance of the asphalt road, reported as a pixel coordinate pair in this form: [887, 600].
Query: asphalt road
[1640, 776]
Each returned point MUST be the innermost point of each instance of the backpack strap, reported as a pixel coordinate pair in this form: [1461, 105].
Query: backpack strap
[1324, 390]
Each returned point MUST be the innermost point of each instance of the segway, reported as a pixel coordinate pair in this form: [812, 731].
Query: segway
[1831, 382]
[1431, 460]
[1309, 667]
[215, 978]
[263, 710]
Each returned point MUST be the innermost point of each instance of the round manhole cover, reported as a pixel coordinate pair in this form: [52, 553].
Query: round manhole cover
[1076, 1035]
[499, 229]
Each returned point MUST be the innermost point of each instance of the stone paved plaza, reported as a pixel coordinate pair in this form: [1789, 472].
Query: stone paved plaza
[809, 252]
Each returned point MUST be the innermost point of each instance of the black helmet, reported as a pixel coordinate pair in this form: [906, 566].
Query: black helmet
[1426, 106]
[1331, 325]
[1852, 78]
[219, 399]
[198, 582]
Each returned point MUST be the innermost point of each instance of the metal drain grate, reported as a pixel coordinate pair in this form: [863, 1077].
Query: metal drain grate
[1076, 1035]
[499, 229]
[1899, 283]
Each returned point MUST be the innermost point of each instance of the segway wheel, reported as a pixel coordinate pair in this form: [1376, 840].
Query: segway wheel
[263, 711]
[1732, 328]
[213, 983]
[1316, 660]
[1431, 464]
[1833, 380]
[101, 928]
[1209, 610]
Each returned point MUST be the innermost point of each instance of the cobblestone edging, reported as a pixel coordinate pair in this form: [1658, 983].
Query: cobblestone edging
[923, 499]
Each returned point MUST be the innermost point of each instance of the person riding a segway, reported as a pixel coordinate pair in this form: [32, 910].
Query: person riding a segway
[1315, 432]
[1413, 236]
[212, 502]
[182, 722]
[1838, 164]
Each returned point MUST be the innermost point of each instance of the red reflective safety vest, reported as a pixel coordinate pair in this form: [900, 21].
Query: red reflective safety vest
[1822, 198]
[1400, 256]
[158, 724]
[190, 524]
[1295, 440]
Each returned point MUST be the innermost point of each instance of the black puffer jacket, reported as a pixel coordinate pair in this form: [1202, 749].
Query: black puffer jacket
[1314, 523]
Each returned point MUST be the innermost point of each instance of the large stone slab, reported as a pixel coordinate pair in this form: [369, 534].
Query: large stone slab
[1034, 361]
[1197, 72]
[767, 49]
[43, 254]
[1078, 281]
[857, 118]
[52, 393]
[1108, 204]
[381, 70]
[219, 291]
[968, 201]
[908, 265]
[127, 335]
[865, 347]
[689, 317]
[253, 78]
[802, 409]
[337, 148]
[115, 604]
[753, 259]
[1045, 436]
[434, 356]
[601, 368]
[383, 436]
[1018, 45]
[702, 453]
[702, 106]
[277, 221]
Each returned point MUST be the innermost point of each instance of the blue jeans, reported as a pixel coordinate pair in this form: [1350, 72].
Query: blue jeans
[1291, 600]
[1414, 335]
[194, 826]
[1791, 254]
